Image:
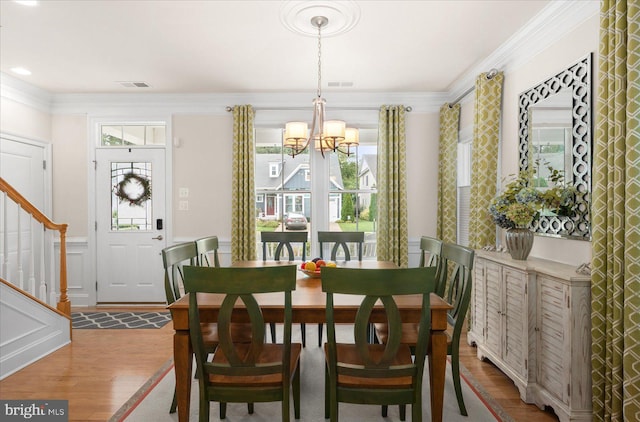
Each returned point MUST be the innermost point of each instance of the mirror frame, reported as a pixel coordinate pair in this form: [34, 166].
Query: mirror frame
[577, 78]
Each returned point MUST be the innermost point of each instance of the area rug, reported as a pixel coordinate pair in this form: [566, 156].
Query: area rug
[119, 320]
[152, 401]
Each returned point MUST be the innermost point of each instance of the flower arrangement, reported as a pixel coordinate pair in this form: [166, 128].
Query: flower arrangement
[520, 203]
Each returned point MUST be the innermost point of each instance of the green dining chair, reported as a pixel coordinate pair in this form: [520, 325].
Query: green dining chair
[283, 241]
[244, 372]
[431, 256]
[340, 240]
[458, 294]
[173, 258]
[208, 251]
[370, 373]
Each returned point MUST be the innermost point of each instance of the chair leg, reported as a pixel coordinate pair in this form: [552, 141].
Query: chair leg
[403, 412]
[296, 392]
[455, 371]
[326, 393]
[204, 410]
[273, 332]
[385, 410]
[303, 332]
[320, 334]
[174, 402]
[223, 410]
[250, 408]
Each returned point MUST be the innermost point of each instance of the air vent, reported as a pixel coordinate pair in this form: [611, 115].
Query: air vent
[130, 84]
[339, 84]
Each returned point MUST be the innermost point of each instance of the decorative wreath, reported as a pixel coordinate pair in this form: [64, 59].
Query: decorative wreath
[136, 198]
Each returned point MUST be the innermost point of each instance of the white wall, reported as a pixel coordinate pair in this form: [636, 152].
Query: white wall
[69, 138]
[24, 120]
[422, 131]
[202, 163]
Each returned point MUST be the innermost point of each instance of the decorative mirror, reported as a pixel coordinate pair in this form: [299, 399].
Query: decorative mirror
[555, 130]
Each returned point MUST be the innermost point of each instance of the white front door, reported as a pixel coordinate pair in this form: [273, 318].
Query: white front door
[130, 216]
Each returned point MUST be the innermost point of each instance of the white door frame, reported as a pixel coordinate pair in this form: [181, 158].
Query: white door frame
[93, 137]
[46, 146]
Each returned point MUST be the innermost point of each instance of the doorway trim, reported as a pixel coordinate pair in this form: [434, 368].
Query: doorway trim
[93, 132]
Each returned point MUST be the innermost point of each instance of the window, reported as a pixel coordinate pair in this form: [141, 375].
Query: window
[133, 135]
[335, 193]
[274, 169]
[464, 190]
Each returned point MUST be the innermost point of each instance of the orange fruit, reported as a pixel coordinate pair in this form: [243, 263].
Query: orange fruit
[320, 263]
[311, 266]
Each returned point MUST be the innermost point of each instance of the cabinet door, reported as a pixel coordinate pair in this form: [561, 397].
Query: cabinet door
[478, 301]
[493, 295]
[515, 320]
[551, 354]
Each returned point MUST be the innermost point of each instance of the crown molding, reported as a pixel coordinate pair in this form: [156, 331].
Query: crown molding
[553, 22]
[22, 92]
[217, 103]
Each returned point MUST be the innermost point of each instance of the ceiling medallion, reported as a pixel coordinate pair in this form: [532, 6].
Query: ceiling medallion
[297, 16]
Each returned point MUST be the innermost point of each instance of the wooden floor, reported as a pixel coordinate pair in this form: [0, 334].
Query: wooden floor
[101, 369]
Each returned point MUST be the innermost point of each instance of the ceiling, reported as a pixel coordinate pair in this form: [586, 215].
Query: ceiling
[244, 47]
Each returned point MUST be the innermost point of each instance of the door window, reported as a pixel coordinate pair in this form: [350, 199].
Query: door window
[131, 196]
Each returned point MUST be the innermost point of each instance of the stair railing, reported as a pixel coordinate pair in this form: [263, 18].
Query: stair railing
[38, 248]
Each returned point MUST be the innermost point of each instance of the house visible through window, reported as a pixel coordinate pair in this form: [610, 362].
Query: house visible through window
[346, 201]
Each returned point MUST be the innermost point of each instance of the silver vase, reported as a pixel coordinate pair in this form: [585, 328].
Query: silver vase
[519, 242]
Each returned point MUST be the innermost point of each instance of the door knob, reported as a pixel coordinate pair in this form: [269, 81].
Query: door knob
[158, 237]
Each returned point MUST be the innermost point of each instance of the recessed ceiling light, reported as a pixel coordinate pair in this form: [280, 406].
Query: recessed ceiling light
[21, 71]
[27, 2]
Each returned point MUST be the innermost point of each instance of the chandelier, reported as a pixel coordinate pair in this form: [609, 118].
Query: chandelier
[327, 135]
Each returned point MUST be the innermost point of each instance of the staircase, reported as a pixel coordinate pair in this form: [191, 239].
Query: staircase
[35, 308]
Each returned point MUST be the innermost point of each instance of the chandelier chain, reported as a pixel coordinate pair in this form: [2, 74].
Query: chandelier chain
[319, 60]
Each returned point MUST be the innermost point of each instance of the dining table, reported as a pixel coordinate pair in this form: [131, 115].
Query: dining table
[309, 306]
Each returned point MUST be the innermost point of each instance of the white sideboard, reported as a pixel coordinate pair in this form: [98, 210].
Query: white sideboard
[532, 319]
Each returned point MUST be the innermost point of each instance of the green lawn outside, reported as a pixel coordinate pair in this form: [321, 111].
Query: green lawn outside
[363, 226]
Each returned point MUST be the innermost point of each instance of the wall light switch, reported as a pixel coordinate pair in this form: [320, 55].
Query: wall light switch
[183, 192]
[183, 206]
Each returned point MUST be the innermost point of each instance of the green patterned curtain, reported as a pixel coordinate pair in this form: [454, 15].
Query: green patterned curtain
[484, 160]
[392, 240]
[615, 279]
[243, 218]
[447, 172]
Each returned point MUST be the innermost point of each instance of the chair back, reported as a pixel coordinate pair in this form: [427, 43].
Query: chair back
[431, 256]
[284, 240]
[208, 247]
[459, 261]
[340, 240]
[173, 258]
[239, 284]
[379, 286]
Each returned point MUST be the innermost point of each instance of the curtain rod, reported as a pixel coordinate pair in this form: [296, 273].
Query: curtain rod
[490, 75]
[228, 108]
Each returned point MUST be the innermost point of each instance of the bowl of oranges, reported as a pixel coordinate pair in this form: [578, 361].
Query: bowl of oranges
[314, 267]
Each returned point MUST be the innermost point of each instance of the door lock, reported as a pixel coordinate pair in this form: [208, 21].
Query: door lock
[158, 237]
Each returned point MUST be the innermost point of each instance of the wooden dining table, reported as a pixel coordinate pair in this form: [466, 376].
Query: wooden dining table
[309, 307]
